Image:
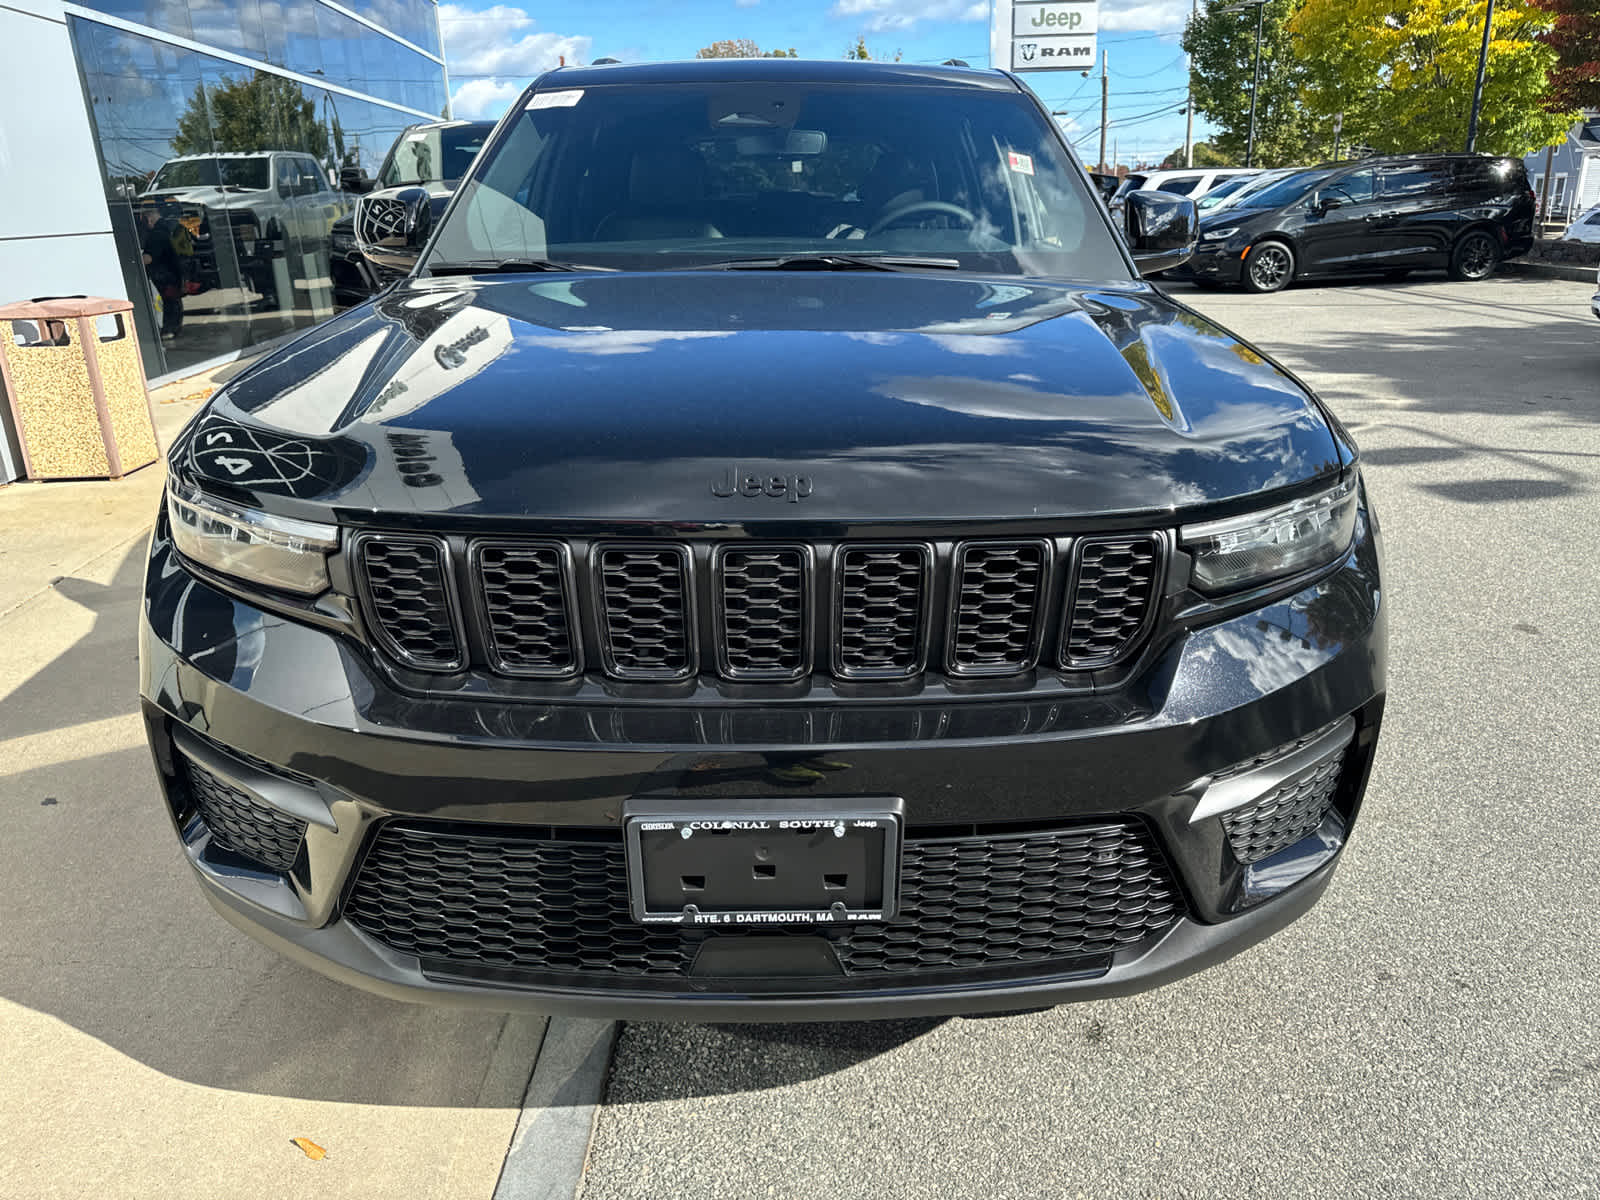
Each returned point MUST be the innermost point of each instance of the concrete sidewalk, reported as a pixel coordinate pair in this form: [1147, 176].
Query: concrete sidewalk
[146, 1048]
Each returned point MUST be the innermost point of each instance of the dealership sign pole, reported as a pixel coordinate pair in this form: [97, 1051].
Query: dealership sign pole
[1044, 35]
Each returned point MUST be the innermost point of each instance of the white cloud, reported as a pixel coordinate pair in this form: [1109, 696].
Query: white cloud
[893, 16]
[495, 51]
[1153, 15]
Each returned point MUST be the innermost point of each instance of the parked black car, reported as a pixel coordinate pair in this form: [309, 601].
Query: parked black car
[1462, 213]
[433, 155]
[773, 558]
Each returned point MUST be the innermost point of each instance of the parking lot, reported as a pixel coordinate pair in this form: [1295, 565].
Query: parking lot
[1426, 1031]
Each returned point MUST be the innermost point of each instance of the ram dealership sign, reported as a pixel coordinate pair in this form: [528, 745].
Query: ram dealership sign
[1044, 35]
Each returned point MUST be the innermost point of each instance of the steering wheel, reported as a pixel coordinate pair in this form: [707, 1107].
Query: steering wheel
[928, 206]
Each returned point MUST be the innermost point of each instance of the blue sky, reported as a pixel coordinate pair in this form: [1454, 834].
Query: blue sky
[494, 49]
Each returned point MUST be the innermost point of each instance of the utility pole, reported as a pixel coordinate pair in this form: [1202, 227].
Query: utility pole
[1477, 90]
[1338, 131]
[1255, 86]
[1105, 104]
[1188, 123]
[1544, 188]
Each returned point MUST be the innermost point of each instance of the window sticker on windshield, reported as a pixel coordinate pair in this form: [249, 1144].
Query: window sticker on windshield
[564, 99]
[1020, 163]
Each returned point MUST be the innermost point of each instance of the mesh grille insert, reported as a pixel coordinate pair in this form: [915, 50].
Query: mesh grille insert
[645, 611]
[882, 606]
[241, 824]
[1284, 815]
[410, 601]
[524, 590]
[523, 902]
[1113, 597]
[998, 588]
[763, 612]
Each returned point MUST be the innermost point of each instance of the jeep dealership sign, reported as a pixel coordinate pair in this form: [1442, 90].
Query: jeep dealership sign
[1044, 35]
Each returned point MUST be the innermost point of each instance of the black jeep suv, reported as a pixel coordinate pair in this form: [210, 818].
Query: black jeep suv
[1461, 213]
[772, 558]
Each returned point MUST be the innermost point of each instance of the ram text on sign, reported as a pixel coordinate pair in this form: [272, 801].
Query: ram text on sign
[1053, 53]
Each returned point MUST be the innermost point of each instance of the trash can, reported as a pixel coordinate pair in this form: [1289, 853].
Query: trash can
[75, 381]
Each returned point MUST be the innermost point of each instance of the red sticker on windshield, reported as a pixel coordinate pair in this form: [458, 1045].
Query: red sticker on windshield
[1020, 163]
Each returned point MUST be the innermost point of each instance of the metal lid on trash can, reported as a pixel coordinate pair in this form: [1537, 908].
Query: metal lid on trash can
[61, 308]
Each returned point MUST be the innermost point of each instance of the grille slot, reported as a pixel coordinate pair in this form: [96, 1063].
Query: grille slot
[527, 607]
[882, 611]
[240, 823]
[1284, 815]
[762, 612]
[407, 590]
[504, 900]
[644, 611]
[1113, 599]
[998, 590]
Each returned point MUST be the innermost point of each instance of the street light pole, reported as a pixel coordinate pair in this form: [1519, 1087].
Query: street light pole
[1188, 108]
[1477, 89]
[1255, 86]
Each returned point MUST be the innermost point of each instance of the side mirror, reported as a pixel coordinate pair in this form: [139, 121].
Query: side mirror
[355, 180]
[1328, 203]
[392, 230]
[1162, 229]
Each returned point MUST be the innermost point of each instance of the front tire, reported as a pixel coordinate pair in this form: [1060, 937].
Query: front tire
[1268, 268]
[1475, 257]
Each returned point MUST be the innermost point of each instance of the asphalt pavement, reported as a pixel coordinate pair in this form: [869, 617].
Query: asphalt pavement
[1429, 1029]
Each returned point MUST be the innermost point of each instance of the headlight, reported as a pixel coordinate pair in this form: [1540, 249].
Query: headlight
[1252, 549]
[1217, 235]
[275, 552]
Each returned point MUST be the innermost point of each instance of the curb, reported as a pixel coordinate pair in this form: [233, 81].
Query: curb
[1578, 274]
[550, 1147]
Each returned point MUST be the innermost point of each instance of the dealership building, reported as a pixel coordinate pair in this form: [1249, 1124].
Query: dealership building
[187, 154]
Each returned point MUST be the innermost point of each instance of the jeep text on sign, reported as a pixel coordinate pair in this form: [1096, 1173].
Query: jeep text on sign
[1030, 21]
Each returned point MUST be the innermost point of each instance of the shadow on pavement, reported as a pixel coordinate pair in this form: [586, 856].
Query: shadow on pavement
[679, 1062]
[106, 931]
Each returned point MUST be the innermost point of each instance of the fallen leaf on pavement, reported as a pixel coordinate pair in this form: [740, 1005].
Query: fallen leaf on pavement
[313, 1151]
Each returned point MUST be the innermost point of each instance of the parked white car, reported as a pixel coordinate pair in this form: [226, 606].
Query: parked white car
[1196, 181]
[1586, 228]
[1238, 190]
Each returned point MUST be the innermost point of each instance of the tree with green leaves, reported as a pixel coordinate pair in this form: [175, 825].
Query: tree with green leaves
[1575, 37]
[741, 48]
[1402, 72]
[239, 116]
[860, 51]
[1221, 46]
[1205, 155]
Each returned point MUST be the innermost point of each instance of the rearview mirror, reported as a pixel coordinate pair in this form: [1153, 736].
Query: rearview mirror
[1162, 229]
[392, 230]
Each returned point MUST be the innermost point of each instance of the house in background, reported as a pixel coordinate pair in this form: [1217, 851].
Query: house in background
[1574, 170]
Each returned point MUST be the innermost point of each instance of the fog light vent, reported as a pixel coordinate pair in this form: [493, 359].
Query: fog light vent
[1284, 815]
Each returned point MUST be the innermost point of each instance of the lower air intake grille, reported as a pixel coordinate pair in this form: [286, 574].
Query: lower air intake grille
[1113, 598]
[882, 597]
[241, 824]
[1285, 815]
[644, 611]
[408, 599]
[504, 901]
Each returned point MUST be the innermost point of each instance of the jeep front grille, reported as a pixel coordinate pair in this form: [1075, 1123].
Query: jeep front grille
[661, 612]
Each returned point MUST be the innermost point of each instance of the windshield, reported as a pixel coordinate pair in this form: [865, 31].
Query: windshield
[250, 173]
[433, 155]
[1223, 190]
[679, 176]
[1287, 190]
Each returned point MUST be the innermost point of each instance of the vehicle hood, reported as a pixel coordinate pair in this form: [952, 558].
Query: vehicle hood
[208, 195]
[807, 395]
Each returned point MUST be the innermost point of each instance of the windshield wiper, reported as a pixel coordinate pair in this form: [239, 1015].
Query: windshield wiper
[509, 266]
[833, 262]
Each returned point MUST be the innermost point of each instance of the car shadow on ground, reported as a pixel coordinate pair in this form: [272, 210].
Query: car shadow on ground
[106, 931]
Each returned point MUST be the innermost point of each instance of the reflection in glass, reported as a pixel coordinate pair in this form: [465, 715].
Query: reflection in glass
[223, 180]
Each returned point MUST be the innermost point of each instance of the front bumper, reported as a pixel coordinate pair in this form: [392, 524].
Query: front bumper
[1216, 262]
[304, 721]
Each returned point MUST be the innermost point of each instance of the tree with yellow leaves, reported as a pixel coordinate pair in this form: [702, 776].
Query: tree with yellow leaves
[1402, 73]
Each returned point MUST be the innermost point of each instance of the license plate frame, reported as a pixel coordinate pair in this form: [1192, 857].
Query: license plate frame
[833, 861]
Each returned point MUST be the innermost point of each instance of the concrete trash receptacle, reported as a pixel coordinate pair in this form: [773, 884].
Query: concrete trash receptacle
[72, 372]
